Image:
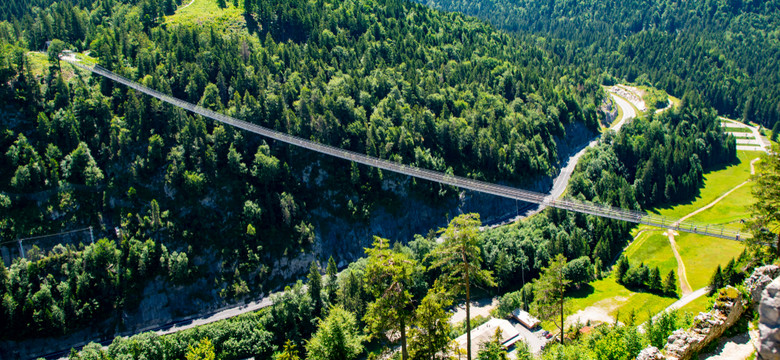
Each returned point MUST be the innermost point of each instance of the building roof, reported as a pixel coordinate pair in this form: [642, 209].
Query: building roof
[485, 332]
[525, 318]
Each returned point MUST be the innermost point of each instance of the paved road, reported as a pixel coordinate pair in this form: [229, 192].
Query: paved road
[685, 300]
[562, 180]
[174, 326]
[628, 111]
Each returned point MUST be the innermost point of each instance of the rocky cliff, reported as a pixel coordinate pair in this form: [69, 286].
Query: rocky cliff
[769, 322]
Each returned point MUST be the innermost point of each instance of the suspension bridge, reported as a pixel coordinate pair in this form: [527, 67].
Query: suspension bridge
[589, 208]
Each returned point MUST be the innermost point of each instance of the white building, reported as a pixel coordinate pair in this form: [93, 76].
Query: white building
[485, 333]
[525, 318]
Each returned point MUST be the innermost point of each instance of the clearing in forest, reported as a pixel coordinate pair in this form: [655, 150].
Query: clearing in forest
[699, 254]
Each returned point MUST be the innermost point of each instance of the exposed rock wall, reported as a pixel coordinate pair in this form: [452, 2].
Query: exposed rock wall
[759, 279]
[769, 323]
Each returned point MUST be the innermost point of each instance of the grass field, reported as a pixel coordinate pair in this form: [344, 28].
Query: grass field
[39, 64]
[702, 254]
[206, 12]
[696, 306]
[737, 130]
[716, 183]
[617, 300]
[653, 249]
[729, 211]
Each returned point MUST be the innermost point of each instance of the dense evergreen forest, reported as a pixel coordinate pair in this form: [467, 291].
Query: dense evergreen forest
[182, 198]
[392, 79]
[727, 51]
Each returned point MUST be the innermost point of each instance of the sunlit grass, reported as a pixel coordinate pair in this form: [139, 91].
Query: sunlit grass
[731, 210]
[206, 12]
[737, 130]
[696, 306]
[653, 249]
[702, 254]
[716, 183]
[617, 300]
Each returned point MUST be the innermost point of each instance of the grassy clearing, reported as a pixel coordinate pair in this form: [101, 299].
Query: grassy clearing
[39, 63]
[729, 211]
[702, 254]
[205, 12]
[616, 300]
[737, 130]
[716, 183]
[653, 249]
[675, 101]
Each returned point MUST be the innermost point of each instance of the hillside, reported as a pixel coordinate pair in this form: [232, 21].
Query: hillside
[188, 202]
[726, 51]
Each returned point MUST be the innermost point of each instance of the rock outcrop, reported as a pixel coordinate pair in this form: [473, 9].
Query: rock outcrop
[650, 353]
[769, 322]
[759, 279]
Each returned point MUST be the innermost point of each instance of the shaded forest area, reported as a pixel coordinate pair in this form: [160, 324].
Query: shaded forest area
[726, 51]
[391, 79]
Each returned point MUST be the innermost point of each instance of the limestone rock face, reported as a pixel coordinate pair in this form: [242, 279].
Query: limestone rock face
[760, 278]
[650, 353]
[769, 323]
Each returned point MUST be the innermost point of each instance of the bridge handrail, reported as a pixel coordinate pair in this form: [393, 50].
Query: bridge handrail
[430, 175]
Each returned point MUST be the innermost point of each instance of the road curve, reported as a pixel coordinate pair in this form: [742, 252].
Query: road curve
[562, 180]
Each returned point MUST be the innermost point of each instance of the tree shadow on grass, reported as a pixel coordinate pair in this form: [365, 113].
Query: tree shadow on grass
[697, 193]
[584, 291]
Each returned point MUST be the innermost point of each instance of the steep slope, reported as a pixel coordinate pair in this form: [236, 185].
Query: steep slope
[388, 78]
[725, 50]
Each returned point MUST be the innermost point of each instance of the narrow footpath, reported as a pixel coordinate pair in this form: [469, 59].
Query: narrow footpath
[685, 287]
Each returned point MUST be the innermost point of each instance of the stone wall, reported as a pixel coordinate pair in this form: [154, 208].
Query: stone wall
[684, 343]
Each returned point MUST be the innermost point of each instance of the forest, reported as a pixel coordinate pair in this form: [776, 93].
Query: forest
[397, 81]
[726, 51]
[192, 199]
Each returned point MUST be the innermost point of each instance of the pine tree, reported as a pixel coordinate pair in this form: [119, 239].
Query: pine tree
[716, 282]
[654, 283]
[222, 4]
[289, 353]
[331, 282]
[730, 275]
[670, 284]
[388, 278]
[765, 212]
[430, 335]
[621, 268]
[549, 293]
[460, 261]
[315, 287]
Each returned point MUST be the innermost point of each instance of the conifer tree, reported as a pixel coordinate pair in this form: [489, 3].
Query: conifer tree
[315, 287]
[670, 283]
